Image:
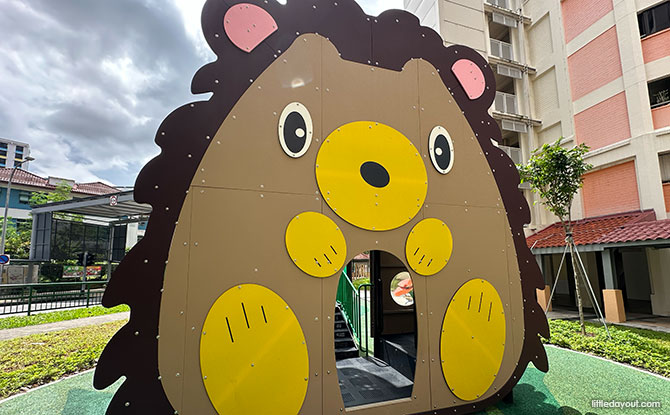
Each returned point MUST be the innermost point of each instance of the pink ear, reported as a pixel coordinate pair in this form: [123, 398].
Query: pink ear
[471, 78]
[247, 25]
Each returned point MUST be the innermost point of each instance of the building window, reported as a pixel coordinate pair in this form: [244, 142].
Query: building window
[659, 92]
[18, 153]
[24, 197]
[664, 160]
[654, 20]
[3, 162]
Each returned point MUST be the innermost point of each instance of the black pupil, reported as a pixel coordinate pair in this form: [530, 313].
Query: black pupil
[294, 123]
[442, 158]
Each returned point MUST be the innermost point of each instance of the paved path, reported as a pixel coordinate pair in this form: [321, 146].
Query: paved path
[61, 325]
[655, 323]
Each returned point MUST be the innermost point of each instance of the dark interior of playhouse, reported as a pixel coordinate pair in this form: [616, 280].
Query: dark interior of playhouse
[375, 333]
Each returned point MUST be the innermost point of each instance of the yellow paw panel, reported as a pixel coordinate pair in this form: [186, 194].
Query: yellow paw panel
[315, 244]
[253, 355]
[473, 339]
[429, 246]
[390, 204]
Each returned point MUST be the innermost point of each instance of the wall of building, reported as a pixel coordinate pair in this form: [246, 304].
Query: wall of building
[666, 196]
[579, 15]
[611, 190]
[609, 70]
[656, 46]
[15, 197]
[638, 284]
[552, 100]
[659, 268]
[463, 22]
[426, 10]
[661, 116]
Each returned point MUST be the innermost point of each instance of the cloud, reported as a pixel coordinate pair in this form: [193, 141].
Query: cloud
[87, 83]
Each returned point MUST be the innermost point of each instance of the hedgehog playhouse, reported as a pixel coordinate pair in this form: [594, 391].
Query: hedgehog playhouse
[329, 133]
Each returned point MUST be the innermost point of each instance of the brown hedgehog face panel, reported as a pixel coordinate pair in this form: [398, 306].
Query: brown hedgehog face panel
[232, 231]
[230, 242]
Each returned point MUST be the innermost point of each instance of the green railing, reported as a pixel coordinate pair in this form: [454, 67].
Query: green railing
[354, 306]
[30, 298]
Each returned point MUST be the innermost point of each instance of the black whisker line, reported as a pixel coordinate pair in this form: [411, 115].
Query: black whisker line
[245, 315]
[327, 259]
[481, 296]
[334, 251]
[317, 262]
[230, 331]
[417, 250]
[490, 306]
[264, 318]
[469, 300]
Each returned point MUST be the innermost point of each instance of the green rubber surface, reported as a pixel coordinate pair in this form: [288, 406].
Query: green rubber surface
[573, 382]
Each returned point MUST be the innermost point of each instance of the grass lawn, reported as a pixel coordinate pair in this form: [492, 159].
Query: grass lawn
[42, 358]
[646, 349]
[43, 318]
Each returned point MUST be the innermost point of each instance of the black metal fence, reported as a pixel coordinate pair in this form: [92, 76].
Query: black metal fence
[31, 298]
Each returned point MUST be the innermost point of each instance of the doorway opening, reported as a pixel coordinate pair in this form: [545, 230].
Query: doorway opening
[375, 330]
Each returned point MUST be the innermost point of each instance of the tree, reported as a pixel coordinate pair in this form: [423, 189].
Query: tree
[17, 242]
[557, 174]
[62, 192]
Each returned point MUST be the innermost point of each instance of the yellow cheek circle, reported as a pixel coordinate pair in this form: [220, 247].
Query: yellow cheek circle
[253, 355]
[429, 246]
[473, 339]
[338, 173]
[315, 244]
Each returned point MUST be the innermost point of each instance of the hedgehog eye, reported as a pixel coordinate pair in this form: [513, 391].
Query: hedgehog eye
[295, 130]
[441, 149]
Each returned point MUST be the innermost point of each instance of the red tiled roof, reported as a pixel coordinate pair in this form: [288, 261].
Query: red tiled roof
[96, 188]
[23, 177]
[639, 231]
[590, 230]
[27, 178]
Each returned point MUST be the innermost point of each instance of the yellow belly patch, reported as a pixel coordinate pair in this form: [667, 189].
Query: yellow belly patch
[253, 355]
[315, 244]
[473, 339]
[429, 246]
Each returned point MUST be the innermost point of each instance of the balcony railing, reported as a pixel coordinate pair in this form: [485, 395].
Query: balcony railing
[514, 153]
[506, 103]
[502, 49]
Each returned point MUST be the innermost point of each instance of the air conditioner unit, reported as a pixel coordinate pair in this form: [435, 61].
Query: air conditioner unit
[505, 20]
[515, 126]
[509, 71]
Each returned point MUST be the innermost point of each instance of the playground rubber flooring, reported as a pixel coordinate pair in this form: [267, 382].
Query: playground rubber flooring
[573, 382]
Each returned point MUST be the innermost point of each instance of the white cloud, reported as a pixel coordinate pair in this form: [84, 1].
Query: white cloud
[88, 83]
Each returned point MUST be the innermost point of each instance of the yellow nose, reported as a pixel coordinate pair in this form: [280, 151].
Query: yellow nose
[371, 175]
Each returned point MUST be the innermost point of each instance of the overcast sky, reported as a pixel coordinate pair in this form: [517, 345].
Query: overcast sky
[87, 82]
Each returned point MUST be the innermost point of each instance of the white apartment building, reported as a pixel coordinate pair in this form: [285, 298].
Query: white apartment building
[595, 72]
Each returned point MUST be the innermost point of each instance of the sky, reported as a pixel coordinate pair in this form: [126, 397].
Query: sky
[87, 82]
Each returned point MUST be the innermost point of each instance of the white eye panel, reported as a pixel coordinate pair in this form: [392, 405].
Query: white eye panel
[441, 149]
[295, 130]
